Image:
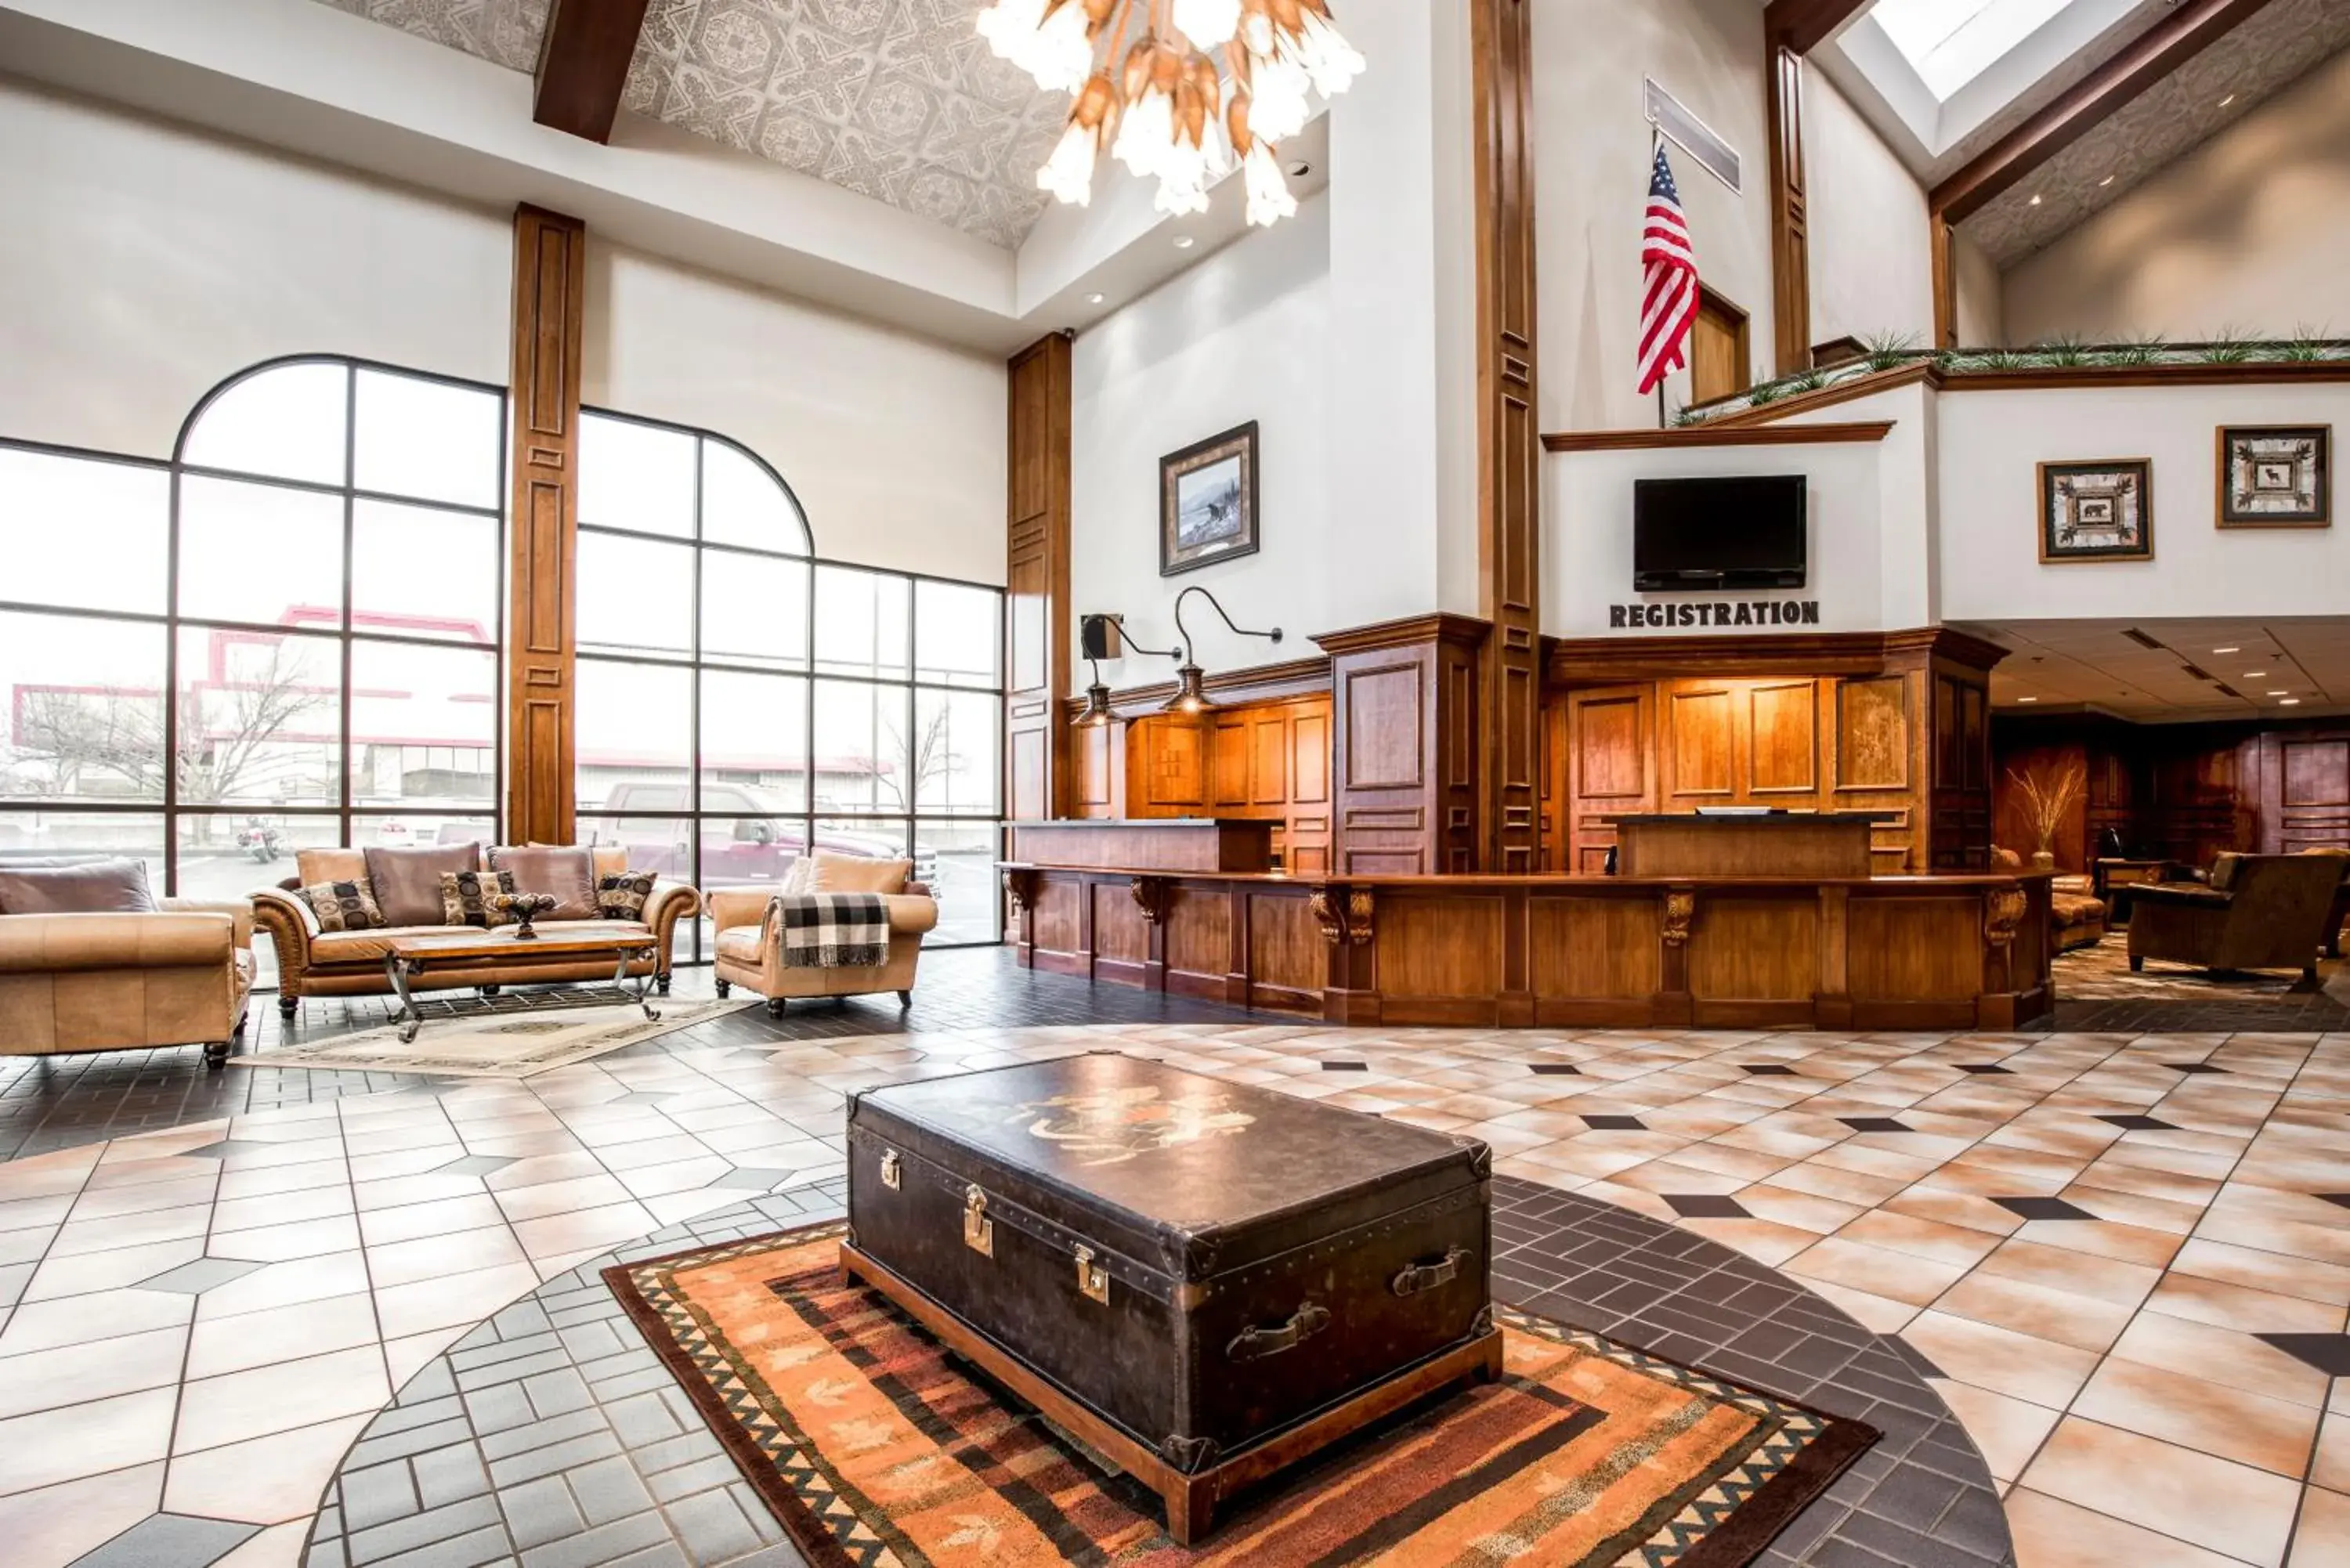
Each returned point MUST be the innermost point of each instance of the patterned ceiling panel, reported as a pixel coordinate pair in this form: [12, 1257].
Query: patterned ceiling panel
[896, 99]
[2273, 48]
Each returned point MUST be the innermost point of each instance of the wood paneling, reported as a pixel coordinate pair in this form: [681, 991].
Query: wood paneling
[1265, 762]
[1039, 751]
[1610, 768]
[1722, 362]
[1404, 745]
[1439, 948]
[1783, 743]
[1286, 952]
[583, 65]
[1754, 949]
[549, 316]
[1790, 249]
[1872, 733]
[1702, 720]
[1707, 435]
[1916, 950]
[1499, 748]
[1200, 934]
[1595, 948]
[1803, 25]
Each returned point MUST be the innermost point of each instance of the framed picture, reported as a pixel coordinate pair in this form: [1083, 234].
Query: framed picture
[2276, 476]
[2101, 510]
[1206, 502]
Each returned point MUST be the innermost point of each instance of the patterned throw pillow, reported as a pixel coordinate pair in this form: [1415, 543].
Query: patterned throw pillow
[344, 906]
[464, 898]
[623, 897]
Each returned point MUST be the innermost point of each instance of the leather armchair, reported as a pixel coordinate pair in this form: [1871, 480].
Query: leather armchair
[126, 981]
[350, 963]
[2257, 911]
[749, 951]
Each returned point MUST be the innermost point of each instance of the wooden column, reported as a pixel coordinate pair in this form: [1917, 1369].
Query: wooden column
[1790, 253]
[1038, 746]
[550, 284]
[1508, 768]
[1403, 742]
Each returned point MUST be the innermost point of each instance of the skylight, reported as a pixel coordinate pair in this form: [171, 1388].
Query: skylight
[1950, 43]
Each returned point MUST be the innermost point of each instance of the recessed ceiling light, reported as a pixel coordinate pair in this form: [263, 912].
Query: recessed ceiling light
[1301, 169]
[1184, 242]
[2106, 181]
[2227, 100]
[2289, 702]
[2027, 699]
[2278, 693]
[2036, 201]
[2254, 674]
[2227, 650]
[1096, 298]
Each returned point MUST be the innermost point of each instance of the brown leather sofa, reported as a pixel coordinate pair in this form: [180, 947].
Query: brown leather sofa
[2076, 916]
[312, 962]
[2257, 911]
[122, 982]
[749, 950]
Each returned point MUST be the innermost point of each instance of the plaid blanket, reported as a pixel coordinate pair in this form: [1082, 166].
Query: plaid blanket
[831, 931]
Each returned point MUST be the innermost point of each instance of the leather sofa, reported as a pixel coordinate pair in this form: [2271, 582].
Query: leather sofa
[315, 963]
[2076, 916]
[2256, 912]
[179, 976]
[750, 949]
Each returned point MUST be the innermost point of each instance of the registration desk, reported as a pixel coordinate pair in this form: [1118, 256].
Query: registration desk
[1954, 951]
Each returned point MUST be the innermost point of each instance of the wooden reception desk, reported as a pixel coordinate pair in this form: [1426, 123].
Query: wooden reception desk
[1960, 951]
[1764, 844]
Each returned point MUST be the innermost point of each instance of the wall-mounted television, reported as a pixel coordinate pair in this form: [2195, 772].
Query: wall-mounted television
[1739, 531]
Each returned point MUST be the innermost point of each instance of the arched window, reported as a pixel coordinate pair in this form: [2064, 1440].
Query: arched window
[285, 637]
[740, 699]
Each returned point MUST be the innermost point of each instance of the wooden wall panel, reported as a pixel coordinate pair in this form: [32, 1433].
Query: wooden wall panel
[1606, 735]
[1287, 952]
[1702, 723]
[1199, 932]
[1101, 772]
[1783, 740]
[1257, 761]
[549, 326]
[1404, 745]
[1040, 769]
[1915, 949]
[1595, 948]
[1430, 947]
[1754, 950]
[1872, 733]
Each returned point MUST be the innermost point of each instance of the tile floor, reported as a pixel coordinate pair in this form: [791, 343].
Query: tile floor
[2126, 1256]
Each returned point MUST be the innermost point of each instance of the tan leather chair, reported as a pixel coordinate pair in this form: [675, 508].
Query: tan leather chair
[750, 949]
[126, 981]
[2258, 911]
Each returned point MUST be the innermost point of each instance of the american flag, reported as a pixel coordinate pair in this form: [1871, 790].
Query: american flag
[1669, 300]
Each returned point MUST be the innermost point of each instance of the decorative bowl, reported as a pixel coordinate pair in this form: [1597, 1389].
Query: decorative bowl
[523, 908]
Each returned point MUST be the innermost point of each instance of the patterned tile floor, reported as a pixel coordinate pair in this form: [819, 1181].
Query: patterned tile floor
[2126, 1258]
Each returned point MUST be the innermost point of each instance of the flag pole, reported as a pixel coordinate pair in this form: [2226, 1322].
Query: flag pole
[1655, 144]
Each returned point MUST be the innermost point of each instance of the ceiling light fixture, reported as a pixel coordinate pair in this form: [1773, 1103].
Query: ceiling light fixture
[2027, 699]
[2227, 100]
[2106, 181]
[2254, 674]
[1184, 242]
[2227, 650]
[1096, 298]
[2036, 201]
[1192, 697]
[2280, 693]
[2289, 702]
[1163, 108]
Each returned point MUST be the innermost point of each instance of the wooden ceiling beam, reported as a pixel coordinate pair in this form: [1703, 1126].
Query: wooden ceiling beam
[1803, 25]
[2147, 59]
[583, 63]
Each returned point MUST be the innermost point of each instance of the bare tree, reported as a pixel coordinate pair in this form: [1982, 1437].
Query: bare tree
[222, 737]
[934, 759]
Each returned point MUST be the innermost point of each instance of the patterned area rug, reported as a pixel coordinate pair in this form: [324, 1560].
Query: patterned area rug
[495, 1044]
[2102, 973]
[876, 1449]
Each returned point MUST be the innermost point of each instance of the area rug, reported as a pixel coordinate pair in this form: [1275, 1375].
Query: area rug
[876, 1449]
[513, 1044]
[2102, 973]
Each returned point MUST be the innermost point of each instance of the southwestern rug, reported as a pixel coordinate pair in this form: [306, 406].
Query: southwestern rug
[876, 1448]
[511, 1039]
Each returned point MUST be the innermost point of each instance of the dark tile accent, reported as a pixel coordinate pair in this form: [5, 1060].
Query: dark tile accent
[2043, 1209]
[1706, 1206]
[1876, 1124]
[1986, 1069]
[2193, 1067]
[194, 1278]
[1345, 1067]
[2339, 1198]
[2329, 1352]
[2134, 1123]
[1615, 1124]
[1769, 1069]
[1556, 1070]
[169, 1540]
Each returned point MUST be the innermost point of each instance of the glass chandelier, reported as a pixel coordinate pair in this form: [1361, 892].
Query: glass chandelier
[1162, 107]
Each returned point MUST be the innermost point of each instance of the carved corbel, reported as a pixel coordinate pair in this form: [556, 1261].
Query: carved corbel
[1020, 886]
[1329, 914]
[1680, 914]
[1359, 907]
[2003, 909]
[1151, 896]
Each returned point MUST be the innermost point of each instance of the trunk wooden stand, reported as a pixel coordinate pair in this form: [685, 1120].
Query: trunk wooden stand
[1191, 1500]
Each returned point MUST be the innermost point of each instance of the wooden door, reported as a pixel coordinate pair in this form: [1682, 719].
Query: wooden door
[1719, 361]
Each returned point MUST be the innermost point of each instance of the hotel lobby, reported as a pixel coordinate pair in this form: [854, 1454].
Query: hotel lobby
[801, 783]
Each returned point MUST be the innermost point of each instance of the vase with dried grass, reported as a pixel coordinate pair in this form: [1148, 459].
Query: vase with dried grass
[2050, 796]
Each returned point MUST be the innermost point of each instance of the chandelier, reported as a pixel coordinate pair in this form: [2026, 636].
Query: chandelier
[1162, 107]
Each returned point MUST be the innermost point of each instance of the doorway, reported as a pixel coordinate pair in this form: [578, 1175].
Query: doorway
[1719, 366]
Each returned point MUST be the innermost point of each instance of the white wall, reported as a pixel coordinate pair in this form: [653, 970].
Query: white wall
[1989, 446]
[1244, 335]
[143, 262]
[2248, 233]
[894, 444]
[1591, 166]
[1872, 257]
[1981, 313]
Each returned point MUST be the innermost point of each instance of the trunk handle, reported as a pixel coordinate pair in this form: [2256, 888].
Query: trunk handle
[1256, 1344]
[1428, 1276]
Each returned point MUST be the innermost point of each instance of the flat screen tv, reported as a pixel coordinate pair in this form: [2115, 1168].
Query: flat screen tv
[1729, 532]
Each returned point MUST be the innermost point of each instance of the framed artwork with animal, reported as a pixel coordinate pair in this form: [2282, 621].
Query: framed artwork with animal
[1206, 502]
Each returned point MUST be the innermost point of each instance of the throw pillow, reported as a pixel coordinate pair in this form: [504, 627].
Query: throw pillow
[313, 867]
[857, 874]
[407, 882]
[93, 887]
[624, 896]
[567, 876]
[800, 875]
[344, 906]
[465, 899]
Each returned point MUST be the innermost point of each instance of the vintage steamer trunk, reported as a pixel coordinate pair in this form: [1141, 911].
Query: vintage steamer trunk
[1205, 1281]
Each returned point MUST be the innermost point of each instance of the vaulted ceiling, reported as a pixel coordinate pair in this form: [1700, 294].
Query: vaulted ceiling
[896, 99]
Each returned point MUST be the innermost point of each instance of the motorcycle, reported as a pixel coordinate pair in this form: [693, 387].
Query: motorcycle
[260, 840]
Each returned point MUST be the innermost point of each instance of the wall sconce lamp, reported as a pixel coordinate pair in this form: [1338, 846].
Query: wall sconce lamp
[1190, 689]
[1103, 636]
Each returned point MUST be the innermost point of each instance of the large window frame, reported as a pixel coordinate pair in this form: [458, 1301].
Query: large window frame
[345, 813]
[812, 819]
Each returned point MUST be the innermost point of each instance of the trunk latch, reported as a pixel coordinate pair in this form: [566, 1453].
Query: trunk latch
[891, 1178]
[1093, 1281]
[978, 1229]
[1427, 1276]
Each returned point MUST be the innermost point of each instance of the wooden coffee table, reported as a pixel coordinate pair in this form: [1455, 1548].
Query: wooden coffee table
[410, 958]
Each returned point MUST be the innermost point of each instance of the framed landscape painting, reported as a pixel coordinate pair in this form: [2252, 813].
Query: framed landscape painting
[1206, 502]
[2276, 476]
[2101, 510]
